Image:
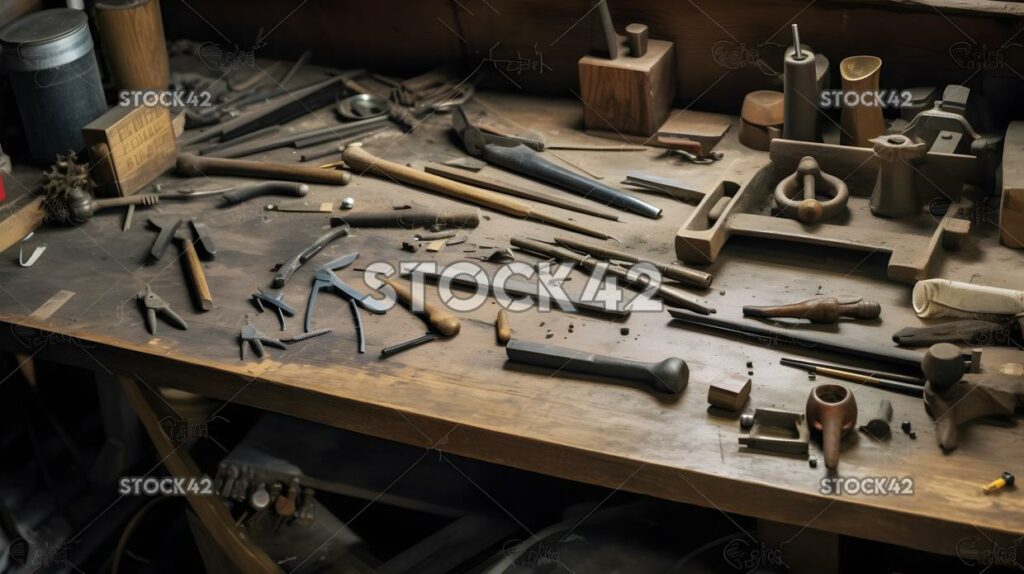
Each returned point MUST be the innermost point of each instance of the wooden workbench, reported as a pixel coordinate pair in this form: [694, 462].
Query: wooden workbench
[461, 396]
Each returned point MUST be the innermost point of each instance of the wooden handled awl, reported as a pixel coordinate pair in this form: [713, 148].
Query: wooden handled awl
[437, 317]
[668, 376]
[819, 310]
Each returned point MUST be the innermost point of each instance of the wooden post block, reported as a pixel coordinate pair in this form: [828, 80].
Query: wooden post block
[1011, 207]
[132, 32]
[130, 147]
[730, 394]
[627, 94]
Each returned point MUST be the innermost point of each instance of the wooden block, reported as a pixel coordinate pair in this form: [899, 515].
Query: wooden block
[22, 212]
[629, 95]
[730, 394]
[130, 147]
[704, 128]
[1011, 207]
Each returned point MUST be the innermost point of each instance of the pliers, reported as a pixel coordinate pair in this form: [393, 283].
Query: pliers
[325, 278]
[274, 299]
[153, 305]
[250, 334]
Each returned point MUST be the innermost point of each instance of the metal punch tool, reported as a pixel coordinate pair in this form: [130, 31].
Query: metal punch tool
[325, 278]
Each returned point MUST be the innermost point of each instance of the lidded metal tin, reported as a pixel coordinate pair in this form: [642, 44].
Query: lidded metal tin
[49, 56]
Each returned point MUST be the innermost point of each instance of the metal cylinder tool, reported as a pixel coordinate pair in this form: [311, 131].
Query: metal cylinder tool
[668, 376]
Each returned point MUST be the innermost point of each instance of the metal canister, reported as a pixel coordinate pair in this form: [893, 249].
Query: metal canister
[49, 56]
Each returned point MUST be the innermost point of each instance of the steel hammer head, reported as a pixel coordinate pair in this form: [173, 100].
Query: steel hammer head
[168, 228]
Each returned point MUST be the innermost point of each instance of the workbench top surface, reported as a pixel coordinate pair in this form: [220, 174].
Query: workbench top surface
[462, 396]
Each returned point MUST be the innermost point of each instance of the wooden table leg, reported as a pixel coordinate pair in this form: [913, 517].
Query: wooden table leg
[209, 509]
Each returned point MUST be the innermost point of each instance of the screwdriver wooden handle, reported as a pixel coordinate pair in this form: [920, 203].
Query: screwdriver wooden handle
[438, 318]
[501, 327]
[822, 310]
[195, 166]
[196, 275]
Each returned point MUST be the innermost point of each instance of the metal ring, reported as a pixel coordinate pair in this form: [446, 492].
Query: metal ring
[363, 106]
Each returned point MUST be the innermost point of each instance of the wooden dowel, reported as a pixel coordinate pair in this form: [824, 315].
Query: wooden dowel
[195, 166]
[197, 276]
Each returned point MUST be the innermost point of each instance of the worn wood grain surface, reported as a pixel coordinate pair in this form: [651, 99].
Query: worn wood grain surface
[461, 395]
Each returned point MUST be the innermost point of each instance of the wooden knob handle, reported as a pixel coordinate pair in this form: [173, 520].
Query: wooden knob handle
[501, 327]
[438, 318]
[197, 276]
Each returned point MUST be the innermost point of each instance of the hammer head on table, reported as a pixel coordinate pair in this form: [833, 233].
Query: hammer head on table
[167, 228]
[191, 229]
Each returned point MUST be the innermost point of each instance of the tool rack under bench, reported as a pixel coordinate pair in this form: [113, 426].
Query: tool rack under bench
[461, 396]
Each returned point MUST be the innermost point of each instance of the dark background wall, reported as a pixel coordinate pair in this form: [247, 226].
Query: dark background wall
[724, 48]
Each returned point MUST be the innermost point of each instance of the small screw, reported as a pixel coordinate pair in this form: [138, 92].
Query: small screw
[907, 428]
[813, 461]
